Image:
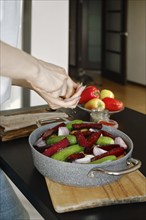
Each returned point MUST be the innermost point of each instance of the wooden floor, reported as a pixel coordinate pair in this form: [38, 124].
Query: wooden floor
[132, 95]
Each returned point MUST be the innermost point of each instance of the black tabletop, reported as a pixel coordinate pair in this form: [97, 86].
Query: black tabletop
[16, 161]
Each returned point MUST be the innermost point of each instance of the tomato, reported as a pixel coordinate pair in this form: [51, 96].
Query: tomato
[112, 104]
[89, 92]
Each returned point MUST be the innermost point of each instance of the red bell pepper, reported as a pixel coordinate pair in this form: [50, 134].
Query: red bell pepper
[112, 104]
[89, 92]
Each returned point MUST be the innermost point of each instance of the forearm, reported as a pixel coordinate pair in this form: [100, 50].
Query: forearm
[26, 70]
[50, 81]
[22, 83]
[17, 64]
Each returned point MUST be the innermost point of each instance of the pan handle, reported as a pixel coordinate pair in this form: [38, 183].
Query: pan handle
[135, 165]
[40, 122]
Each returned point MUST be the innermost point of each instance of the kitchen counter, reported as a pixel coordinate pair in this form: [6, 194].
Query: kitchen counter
[16, 161]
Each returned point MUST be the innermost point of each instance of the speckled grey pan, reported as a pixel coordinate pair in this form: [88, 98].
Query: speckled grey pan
[83, 175]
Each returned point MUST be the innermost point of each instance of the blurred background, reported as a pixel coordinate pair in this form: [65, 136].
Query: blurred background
[100, 42]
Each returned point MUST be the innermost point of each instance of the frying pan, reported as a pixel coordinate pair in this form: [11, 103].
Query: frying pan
[83, 175]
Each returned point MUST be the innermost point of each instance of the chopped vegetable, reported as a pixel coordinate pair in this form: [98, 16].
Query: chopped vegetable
[109, 146]
[71, 138]
[116, 152]
[103, 140]
[93, 138]
[56, 147]
[81, 142]
[86, 159]
[97, 151]
[104, 159]
[87, 125]
[107, 134]
[81, 139]
[51, 130]
[119, 140]
[70, 124]
[75, 156]
[63, 131]
[63, 154]
[40, 142]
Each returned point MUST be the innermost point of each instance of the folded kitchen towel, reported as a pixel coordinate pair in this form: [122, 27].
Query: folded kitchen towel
[13, 122]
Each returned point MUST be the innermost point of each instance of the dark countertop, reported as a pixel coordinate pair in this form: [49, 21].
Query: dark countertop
[16, 161]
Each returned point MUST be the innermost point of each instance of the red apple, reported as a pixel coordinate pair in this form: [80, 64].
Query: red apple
[95, 103]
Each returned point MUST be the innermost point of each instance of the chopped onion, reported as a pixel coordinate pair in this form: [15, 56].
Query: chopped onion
[40, 142]
[86, 159]
[121, 142]
[93, 129]
[98, 151]
[63, 131]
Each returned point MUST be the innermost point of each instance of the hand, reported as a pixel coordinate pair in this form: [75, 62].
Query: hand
[55, 101]
[49, 77]
[51, 82]
[28, 71]
[55, 86]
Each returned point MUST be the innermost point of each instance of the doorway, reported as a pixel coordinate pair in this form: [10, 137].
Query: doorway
[114, 35]
[85, 34]
[98, 37]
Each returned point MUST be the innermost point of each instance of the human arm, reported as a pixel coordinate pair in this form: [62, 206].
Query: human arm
[48, 80]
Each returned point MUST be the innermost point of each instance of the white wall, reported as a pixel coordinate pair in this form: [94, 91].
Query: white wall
[136, 42]
[49, 36]
[15, 100]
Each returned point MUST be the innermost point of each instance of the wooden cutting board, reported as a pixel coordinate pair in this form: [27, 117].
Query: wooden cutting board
[129, 188]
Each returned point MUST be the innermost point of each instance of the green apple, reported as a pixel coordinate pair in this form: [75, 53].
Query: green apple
[95, 103]
[106, 93]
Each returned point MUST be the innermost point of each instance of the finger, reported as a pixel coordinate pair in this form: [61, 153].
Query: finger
[65, 105]
[62, 103]
[63, 90]
[77, 93]
[60, 92]
[55, 103]
[56, 94]
[71, 88]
